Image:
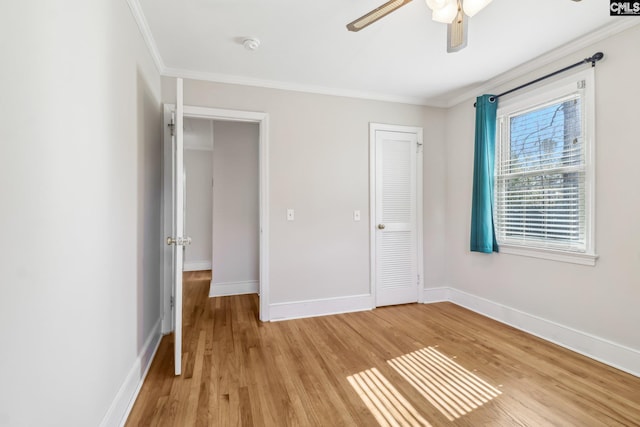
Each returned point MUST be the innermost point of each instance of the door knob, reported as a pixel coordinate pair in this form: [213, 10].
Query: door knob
[381, 226]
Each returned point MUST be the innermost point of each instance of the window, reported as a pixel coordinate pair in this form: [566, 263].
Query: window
[545, 172]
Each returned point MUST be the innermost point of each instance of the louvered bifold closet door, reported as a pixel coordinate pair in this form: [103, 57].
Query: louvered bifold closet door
[395, 226]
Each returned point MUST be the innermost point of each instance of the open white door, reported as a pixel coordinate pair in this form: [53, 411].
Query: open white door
[177, 239]
[395, 217]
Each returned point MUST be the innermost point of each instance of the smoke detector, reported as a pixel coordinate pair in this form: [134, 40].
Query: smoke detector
[251, 43]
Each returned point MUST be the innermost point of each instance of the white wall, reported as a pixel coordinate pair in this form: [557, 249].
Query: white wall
[319, 166]
[603, 300]
[434, 206]
[80, 211]
[198, 162]
[199, 171]
[198, 134]
[236, 229]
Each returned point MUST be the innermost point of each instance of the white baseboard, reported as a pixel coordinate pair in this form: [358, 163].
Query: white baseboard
[197, 266]
[234, 288]
[436, 295]
[605, 351]
[320, 307]
[126, 396]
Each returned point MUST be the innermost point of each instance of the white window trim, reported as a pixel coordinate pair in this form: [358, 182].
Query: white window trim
[551, 254]
[539, 96]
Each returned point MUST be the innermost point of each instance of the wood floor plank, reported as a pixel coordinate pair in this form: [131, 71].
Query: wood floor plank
[239, 371]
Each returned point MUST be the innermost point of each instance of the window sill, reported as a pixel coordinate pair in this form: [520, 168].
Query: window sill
[551, 254]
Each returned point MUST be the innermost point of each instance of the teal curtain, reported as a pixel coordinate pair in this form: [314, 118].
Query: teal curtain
[483, 234]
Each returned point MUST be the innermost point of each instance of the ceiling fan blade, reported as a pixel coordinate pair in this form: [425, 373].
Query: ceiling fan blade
[376, 14]
[457, 32]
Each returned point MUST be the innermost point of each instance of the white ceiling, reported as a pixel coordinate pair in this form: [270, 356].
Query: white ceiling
[306, 46]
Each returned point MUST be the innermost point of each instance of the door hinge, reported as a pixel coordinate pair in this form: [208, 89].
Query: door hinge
[171, 302]
[171, 128]
[418, 279]
[179, 241]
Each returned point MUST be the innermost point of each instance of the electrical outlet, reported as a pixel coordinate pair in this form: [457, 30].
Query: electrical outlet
[290, 215]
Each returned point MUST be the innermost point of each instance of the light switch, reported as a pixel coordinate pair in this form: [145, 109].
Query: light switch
[356, 215]
[290, 215]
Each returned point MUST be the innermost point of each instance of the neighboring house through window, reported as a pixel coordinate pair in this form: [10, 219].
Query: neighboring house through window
[545, 179]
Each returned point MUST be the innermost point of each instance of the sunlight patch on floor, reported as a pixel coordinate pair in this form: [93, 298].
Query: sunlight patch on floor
[452, 389]
[386, 404]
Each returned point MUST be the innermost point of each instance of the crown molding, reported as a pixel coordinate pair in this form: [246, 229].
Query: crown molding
[143, 26]
[289, 86]
[561, 52]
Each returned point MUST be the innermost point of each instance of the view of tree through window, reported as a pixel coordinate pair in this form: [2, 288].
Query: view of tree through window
[540, 176]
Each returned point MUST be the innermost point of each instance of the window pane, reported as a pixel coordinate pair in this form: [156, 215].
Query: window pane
[546, 138]
[540, 183]
[543, 206]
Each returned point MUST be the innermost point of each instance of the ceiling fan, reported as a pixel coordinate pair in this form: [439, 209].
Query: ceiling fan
[454, 13]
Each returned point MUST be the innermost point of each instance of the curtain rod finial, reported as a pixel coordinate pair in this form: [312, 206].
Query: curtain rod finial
[595, 58]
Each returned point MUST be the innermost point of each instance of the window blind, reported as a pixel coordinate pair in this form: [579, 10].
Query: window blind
[540, 177]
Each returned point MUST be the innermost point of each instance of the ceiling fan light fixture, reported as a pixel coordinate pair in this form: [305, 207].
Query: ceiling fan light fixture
[471, 7]
[436, 4]
[454, 13]
[447, 13]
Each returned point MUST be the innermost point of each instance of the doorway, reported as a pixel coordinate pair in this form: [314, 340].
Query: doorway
[198, 200]
[219, 115]
[235, 204]
[396, 214]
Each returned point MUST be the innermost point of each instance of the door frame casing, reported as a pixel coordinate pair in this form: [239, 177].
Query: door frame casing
[262, 119]
[418, 131]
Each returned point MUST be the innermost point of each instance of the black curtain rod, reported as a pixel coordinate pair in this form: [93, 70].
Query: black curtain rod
[593, 59]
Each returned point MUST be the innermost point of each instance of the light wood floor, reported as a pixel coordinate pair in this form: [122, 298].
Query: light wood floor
[239, 371]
